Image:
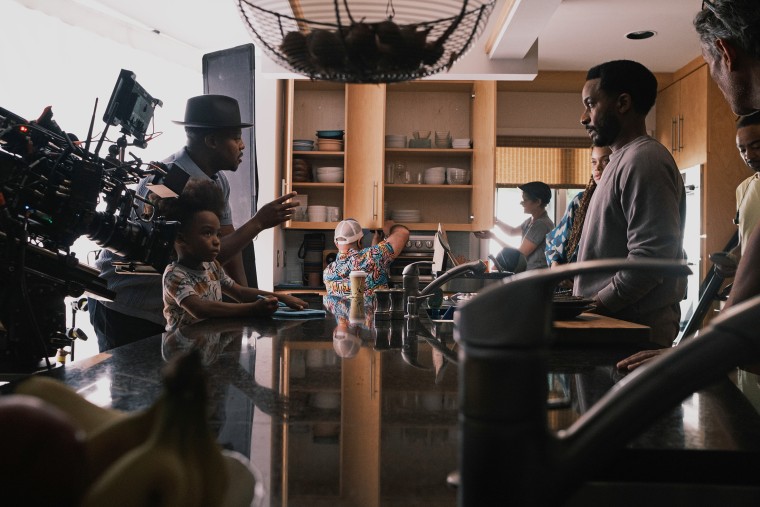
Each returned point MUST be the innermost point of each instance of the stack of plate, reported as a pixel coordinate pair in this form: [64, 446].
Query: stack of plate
[406, 215]
[395, 141]
[330, 174]
[569, 307]
[461, 143]
[303, 145]
[435, 176]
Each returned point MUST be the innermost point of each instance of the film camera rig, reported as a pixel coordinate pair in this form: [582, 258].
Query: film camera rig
[50, 187]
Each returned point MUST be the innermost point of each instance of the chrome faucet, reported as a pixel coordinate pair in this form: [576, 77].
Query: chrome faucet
[411, 282]
[506, 453]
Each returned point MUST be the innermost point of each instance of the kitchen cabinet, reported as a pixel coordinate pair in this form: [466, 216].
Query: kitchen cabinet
[312, 106]
[368, 113]
[681, 121]
[695, 122]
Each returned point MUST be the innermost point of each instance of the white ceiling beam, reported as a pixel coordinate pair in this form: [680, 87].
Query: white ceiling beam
[518, 25]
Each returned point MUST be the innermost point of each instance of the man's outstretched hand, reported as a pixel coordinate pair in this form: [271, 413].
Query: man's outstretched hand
[276, 212]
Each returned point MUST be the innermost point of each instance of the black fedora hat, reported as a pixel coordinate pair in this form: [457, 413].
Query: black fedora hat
[212, 111]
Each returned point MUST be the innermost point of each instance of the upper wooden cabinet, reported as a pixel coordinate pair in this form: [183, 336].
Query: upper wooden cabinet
[370, 112]
[681, 121]
[695, 122]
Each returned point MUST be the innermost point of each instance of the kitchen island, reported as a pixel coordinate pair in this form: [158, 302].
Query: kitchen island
[348, 411]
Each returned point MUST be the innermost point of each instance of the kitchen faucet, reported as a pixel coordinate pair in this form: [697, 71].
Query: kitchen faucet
[411, 282]
[507, 454]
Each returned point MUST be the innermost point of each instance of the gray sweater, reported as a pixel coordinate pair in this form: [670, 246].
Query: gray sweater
[637, 212]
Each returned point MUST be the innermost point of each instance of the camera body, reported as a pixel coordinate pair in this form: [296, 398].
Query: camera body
[50, 190]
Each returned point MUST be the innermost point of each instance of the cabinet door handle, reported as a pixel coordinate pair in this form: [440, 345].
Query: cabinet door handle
[672, 135]
[680, 133]
[374, 199]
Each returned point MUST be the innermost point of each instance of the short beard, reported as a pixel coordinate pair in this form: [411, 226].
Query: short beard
[607, 132]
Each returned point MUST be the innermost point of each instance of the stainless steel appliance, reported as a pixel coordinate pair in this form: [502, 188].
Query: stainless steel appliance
[418, 248]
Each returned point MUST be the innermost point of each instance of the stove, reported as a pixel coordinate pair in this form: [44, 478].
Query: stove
[419, 247]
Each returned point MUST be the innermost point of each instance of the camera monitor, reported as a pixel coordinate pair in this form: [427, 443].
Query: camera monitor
[130, 106]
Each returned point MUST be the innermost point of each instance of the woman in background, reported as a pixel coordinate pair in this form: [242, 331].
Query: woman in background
[562, 242]
[535, 197]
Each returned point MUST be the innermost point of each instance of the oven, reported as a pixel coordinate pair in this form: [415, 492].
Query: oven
[418, 248]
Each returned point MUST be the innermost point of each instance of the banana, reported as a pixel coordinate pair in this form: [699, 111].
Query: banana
[143, 477]
[180, 448]
[111, 441]
[87, 415]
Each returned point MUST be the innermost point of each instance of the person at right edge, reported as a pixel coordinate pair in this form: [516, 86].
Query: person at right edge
[639, 207]
[748, 191]
[729, 32]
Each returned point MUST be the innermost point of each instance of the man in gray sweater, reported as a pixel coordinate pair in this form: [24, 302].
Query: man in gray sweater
[638, 209]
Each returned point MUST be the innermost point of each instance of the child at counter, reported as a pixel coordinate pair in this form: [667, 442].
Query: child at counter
[193, 284]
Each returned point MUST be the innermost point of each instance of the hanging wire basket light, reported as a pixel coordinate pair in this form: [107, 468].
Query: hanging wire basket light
[369, 41]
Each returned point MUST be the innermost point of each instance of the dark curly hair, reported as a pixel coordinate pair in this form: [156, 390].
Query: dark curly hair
[198, 195]
[626, 76]
[750, 119]
[737, 21]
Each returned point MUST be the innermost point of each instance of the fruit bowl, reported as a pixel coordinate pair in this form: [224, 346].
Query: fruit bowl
[246, 487]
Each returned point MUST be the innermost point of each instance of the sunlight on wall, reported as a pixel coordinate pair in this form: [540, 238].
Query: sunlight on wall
[52, 63]
[56, 64]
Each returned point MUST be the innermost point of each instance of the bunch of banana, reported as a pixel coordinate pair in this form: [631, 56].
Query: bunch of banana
[88, 416]
[165, 455]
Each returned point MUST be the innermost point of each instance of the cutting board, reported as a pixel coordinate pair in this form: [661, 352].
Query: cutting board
[599, 329]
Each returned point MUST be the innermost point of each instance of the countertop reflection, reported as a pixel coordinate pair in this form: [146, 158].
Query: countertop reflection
[349, 410]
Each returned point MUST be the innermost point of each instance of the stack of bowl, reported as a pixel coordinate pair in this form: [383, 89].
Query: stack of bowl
[457, 176]
[330, 140]
[303, 145]
[395, 141]
[317, 213]
[330, 174]
[461, 143]
[301, 170]
[329, 145]
[435, 176]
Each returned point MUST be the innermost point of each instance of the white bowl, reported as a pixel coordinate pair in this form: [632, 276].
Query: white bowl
[245, 484]
[329, 170]
[330, 178]
[435, 180]
[325, 400]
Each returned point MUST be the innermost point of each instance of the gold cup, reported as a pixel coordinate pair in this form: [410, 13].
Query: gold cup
[358, 283]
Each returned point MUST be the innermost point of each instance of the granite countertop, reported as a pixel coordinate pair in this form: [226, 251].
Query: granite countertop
[348, 411]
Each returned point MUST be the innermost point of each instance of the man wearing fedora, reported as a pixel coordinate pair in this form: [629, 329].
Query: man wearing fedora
[214, 145]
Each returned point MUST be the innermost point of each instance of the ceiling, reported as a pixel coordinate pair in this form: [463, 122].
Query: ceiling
[572, 35]
[577, 34]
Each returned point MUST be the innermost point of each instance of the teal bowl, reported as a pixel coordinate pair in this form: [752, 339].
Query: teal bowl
[330, 134]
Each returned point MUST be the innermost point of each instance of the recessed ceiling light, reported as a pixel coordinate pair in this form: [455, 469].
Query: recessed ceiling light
[640, 34]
